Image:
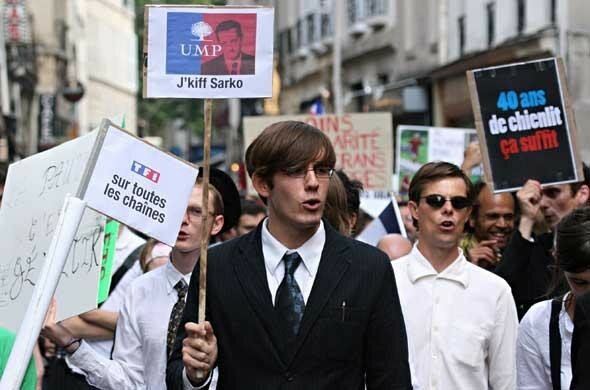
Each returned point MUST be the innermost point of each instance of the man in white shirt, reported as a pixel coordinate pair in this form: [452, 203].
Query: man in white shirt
[460, 319]
[152, 308]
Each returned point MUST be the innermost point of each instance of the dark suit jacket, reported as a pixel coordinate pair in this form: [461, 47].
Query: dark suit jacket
[217, 66]
[525, 267]
[333, 350]
[581, 344]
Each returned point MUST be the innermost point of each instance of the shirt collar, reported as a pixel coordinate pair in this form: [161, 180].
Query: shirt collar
[173, 276]
[419, 267]
[310, 251]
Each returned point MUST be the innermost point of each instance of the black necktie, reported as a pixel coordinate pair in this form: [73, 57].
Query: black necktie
[234, 68]
[289, 300]
[176, 315]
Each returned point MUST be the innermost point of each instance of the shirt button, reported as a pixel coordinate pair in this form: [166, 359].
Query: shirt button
[288, 376]
[435, 328]
[434, 357]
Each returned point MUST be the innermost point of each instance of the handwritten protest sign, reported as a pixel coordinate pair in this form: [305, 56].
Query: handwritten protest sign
[138, 184]
[417, 145]
[363, 143]
[208, 52]
[33, 198]
[524, 115]
[111, 231]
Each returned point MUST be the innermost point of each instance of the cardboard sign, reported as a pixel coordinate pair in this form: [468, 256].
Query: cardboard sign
[208, 52]
[418, 145]
[524, 115]
[363, 143]
[33, 197]
[111, 232]
[138, 184]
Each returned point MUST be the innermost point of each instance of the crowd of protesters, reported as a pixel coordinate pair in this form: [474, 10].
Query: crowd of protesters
[486, 290]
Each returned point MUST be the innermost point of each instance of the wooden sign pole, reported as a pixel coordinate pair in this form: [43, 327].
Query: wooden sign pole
[205, 210]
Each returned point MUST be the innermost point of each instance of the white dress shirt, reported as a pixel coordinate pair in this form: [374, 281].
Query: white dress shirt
[532, 353]
[310, 252]
[461, 324]
[113, 303]
[139, 357]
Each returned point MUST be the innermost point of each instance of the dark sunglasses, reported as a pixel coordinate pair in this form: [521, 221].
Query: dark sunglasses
[437, 201]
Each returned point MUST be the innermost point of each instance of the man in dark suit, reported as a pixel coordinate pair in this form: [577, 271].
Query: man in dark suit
[232, 61]
[293, 304]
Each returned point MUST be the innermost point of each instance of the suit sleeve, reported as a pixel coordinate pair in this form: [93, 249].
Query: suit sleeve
[386, 341]
[516, 259]
[175, 367]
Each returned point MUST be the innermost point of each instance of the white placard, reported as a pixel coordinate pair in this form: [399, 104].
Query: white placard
[445, 145]
[138, 184]
[190, 56]
[33, 197]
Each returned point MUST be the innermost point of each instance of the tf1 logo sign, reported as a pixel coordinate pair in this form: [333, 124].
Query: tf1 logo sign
[145, 171]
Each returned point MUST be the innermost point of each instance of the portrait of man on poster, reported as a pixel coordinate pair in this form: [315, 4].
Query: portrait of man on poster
[232, 60]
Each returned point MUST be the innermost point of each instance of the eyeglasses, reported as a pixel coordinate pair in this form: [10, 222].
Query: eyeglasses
[320, 172]
[436, 201]
[195, 213]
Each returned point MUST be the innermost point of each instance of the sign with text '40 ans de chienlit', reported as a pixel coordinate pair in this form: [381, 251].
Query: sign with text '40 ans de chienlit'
[207, 52]
[524, 114]
[138, 184]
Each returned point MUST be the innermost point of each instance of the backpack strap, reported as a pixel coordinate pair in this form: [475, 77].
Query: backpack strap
[126, 266]
[555, 343]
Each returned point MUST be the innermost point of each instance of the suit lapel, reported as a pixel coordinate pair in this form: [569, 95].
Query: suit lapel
[333, 265]
[251, 273]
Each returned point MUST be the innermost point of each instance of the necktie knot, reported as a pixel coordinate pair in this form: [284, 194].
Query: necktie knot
[181, 288]
[292, 261]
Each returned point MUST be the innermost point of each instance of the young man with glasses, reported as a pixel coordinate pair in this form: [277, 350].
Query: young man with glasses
[526, 264]
[293, 304]
[151, 312]
[461, 320]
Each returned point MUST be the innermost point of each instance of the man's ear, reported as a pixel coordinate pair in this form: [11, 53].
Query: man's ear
[468, 219]
[413, 207]
[583, 195]
[261, 186]
[217, 225]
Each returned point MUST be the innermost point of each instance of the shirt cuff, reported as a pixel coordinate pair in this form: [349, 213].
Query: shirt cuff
[187, 385]
[79, 354]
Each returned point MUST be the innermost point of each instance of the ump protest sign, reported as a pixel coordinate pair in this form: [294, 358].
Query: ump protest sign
[523, 113]
[138, 184]
[208, 52]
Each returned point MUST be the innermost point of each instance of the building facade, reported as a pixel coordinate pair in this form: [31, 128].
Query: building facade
[85, 69]
[482, 33]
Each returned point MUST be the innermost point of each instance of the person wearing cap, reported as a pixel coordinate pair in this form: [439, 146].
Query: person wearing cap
[149, 316]
[293, 304]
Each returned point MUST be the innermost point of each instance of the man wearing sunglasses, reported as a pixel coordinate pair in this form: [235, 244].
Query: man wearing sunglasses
[460, 319]
[527, 260]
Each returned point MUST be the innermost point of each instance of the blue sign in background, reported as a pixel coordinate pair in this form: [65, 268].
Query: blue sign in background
[178, 32]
